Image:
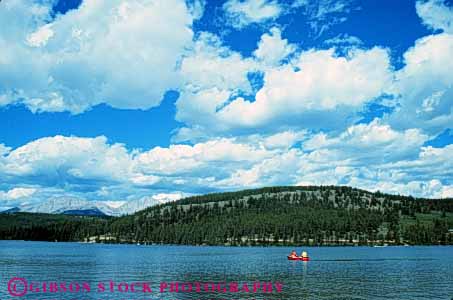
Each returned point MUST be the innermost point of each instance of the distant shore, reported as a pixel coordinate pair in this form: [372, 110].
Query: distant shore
[237, 245]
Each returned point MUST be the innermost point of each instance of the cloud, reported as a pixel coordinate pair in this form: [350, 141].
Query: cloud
[272, 49]
[323, 14]
[425, 86]
[427, 175]
[315, 85]
[196, 8]
[279, 169]
[344, 40]
[211, 73]
[241, 13]
[405, 171]
[285, 139]
[61, 160]
[430, 189]
[120, 53]
[371, 156]
[435, 14]
[17, 193]
[40, 37]
[211, 65]
[202, 158]
[322, 81]
[370, 143]
[431, 163]
[315, 89]
[296, 167]
[4, 150]
[91, 166]
[319, 15]
[165, 197]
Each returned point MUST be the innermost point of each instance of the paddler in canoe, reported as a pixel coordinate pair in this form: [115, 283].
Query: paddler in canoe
[303, 256]
[293, 254]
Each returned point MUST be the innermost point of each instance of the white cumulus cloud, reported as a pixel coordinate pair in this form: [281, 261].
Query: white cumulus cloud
[317, 85]
[124, 54]
[370, 143]
[272, 49]
[59, 158]
[425, 85]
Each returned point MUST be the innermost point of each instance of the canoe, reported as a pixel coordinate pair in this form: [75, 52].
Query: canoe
[299, 258]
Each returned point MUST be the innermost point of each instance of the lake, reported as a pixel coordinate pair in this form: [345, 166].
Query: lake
[333, 272]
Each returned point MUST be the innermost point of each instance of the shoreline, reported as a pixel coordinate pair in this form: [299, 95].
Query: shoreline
[233, 246]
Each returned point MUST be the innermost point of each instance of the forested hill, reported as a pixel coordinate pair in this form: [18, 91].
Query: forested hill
[325, 215]
[292, 215]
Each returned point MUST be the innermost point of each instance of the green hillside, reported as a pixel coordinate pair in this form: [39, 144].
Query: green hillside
[325, 215]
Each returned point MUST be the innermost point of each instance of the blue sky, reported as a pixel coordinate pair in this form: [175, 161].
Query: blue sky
[121, 100]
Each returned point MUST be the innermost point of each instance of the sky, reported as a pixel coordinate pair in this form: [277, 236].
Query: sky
[118, 100]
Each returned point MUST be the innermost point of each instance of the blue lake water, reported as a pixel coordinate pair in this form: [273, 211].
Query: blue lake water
[333, 273]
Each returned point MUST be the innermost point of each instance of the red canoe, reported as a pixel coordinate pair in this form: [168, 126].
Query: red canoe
[299, 258]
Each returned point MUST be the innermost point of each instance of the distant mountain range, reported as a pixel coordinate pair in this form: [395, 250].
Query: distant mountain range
[76, 206]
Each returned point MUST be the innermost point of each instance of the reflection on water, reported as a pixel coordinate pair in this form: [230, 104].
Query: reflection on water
[333, 273]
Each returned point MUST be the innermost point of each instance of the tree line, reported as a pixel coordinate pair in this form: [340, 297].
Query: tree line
[326, 215]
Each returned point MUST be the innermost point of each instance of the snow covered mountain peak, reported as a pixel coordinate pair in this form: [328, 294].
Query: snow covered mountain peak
[74, 205]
